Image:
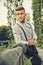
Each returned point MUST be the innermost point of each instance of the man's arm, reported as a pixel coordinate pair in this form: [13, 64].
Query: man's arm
[33, 41]
[34, 35]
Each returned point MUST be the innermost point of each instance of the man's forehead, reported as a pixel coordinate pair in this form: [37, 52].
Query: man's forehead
[20, 11]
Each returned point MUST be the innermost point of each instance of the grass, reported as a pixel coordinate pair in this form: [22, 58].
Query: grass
[40, 45]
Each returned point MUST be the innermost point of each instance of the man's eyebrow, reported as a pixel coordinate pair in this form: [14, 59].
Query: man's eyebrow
[19, 13]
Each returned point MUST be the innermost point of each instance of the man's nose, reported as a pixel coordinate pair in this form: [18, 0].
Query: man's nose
[19, 15]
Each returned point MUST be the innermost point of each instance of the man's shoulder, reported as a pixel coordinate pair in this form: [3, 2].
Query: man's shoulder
[16, 27]
[28, 22]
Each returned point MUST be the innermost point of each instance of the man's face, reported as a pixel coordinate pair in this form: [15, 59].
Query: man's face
[20, 14]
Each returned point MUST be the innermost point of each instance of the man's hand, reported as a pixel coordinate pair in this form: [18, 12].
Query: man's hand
[32, 42]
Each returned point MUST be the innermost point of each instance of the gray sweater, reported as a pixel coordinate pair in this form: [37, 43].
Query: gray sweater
[19, 35]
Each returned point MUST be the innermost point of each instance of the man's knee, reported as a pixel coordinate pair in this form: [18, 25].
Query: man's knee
[36, 61]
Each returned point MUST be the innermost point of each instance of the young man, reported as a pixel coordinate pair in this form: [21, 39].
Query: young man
[26, 37]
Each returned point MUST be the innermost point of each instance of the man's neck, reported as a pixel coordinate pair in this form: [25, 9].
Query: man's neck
[20, 22]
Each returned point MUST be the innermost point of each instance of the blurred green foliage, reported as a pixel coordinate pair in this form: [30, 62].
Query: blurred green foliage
[36, 5]
[5, 33]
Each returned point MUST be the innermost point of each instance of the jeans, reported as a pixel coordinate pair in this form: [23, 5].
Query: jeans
[31, 51]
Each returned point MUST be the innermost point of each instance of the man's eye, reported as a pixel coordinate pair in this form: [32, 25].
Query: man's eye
[21, 13]
[17, 14]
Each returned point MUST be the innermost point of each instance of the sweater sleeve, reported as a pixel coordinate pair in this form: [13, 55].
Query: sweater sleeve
[34, 35]
[33, 30]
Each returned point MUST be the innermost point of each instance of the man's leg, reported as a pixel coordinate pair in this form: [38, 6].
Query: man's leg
[36, 60]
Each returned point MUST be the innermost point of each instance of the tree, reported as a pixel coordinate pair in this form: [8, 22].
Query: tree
[11, 5]
[6, 33]
[37, 19]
